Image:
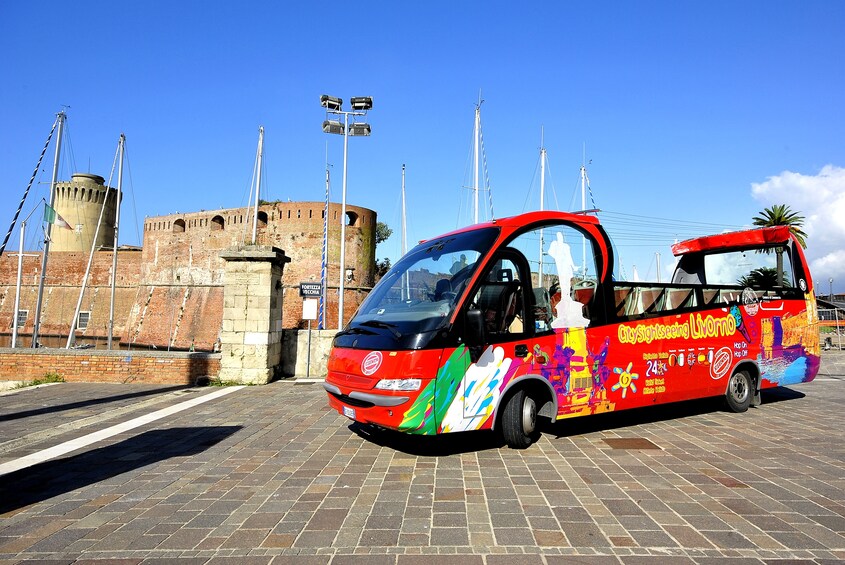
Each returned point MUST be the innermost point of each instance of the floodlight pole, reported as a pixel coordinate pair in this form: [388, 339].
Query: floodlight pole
[342, 286]
[343, 224]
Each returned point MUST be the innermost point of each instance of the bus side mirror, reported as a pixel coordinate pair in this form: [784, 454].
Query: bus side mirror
[474, 329]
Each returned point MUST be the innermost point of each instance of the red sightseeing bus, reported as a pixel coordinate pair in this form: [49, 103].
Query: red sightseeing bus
[498, 324]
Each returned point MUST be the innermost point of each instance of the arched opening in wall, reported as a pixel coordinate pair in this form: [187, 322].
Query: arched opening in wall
[217, 223]
[179, 225]
[262, 219]
[351, 218]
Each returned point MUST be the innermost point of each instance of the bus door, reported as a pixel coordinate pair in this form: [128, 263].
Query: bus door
[501, 298]
[562, 301]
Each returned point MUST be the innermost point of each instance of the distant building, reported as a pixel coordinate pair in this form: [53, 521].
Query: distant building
[169, 293]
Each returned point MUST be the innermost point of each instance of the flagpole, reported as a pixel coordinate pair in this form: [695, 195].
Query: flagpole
[37, 325]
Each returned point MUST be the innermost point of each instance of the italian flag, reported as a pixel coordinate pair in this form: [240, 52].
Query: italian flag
[53, 217]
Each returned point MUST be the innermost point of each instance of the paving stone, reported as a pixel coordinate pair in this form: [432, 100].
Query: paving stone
[294, 484]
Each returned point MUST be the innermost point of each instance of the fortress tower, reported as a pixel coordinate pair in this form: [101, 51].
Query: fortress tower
[79, 201]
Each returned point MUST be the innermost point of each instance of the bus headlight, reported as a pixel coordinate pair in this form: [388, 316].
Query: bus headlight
[399, 384]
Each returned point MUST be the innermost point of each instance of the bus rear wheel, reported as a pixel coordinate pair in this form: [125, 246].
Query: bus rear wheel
[519, 420]
[739, 393]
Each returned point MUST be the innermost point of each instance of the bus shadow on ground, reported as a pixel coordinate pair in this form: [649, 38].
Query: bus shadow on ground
[467, 442]
[60, 476]
[429, 446]
[660, 413]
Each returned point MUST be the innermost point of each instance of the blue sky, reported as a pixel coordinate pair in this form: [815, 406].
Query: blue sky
[700, 113]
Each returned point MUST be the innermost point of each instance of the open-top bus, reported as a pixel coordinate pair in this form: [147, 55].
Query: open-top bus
[497, 324]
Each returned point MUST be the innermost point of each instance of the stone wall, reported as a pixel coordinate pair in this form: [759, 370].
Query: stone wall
[295, 352]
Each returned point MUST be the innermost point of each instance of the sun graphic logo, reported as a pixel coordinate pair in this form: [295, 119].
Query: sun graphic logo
[626, 380]
[371, 363]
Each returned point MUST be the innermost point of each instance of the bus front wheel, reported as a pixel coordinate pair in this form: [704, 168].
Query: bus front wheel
[519, 420]
[739, 393]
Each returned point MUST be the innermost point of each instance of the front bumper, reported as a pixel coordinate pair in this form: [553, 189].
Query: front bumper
[366, 397]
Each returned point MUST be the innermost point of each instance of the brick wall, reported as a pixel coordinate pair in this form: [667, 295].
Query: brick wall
[92, 365]
[169, 293]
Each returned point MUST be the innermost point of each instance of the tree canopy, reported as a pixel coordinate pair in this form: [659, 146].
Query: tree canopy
[782, 215]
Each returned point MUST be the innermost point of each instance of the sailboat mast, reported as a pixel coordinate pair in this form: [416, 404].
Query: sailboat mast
[657, 256]
[476, 148]
[406, 286]
[542, 197]
[18, 286]
[122, 144]
[404, 242]
[257, 184]
[61, 119]
[584, 207]
[71, 331]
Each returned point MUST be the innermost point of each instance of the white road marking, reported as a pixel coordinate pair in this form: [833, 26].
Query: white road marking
[86, 440]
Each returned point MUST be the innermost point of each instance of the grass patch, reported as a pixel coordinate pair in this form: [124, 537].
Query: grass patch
[214, 381]
[46, 379]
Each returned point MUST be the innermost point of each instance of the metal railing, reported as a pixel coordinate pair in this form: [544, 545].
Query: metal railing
[831, 328]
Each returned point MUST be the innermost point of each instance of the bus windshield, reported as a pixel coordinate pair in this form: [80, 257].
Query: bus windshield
[417, 297]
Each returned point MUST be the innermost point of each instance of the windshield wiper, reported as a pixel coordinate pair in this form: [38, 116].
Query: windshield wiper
[355, 331]
[385, 325]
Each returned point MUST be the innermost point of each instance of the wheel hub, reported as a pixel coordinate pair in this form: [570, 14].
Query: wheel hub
[529, 415]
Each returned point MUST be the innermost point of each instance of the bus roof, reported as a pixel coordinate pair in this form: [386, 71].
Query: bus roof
[746, 238]
[514, 222]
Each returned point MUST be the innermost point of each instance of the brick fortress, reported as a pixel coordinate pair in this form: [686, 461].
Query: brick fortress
[169, 292]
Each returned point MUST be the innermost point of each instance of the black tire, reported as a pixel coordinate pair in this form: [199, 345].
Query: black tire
[740, 392]
[519, 420]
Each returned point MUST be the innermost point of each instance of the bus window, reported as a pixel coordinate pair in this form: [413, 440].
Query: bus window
[750, 268]
[563, 275]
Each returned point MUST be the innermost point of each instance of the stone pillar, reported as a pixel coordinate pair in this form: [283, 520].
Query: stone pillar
[251, 339]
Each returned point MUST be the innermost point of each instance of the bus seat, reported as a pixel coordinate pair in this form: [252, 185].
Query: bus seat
[497, 302]
[442, 286]
[543, 305]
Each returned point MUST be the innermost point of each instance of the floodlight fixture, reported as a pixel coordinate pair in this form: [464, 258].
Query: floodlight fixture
[333, 126]
[330, 102]
[359, 128]
[361, 102]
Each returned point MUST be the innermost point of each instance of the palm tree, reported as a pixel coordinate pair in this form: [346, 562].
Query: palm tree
[764, 277]
[782, 215]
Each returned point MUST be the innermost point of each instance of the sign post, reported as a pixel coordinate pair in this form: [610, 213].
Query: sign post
[310, 293]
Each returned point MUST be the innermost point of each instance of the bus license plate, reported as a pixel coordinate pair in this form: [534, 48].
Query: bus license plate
[349, 412]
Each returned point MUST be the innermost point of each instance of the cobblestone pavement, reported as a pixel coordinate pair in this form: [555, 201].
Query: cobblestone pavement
[270, 475]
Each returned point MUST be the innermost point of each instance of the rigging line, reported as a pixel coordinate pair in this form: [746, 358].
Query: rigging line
[655, 228]
[26, 192]
[132, 194]
[465, 188]
[651, 219]
[590, 189]
[531, 185]
[551, 181]
[255, 172]
[486, 173]
[69, 145]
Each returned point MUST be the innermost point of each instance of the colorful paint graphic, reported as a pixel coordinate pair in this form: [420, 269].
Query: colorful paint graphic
[434, 400]
[626, 380]
[478, 392]
[789, 347]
